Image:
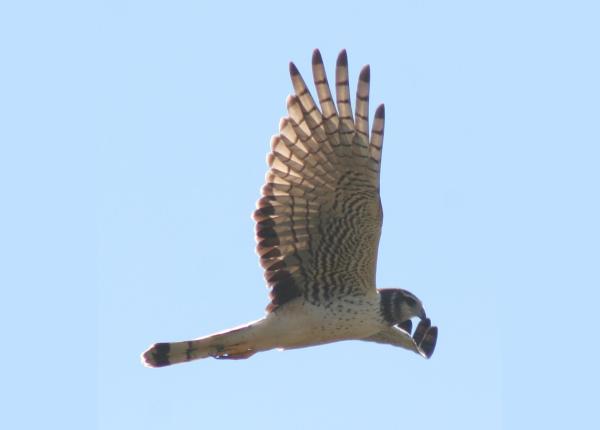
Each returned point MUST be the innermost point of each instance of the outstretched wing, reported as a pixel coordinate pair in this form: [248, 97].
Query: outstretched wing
[319, 221]
[422, 342]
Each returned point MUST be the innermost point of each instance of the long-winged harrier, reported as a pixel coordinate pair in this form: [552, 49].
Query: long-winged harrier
[318, 225]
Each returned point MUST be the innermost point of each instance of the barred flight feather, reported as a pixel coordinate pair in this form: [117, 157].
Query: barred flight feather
[320, 209]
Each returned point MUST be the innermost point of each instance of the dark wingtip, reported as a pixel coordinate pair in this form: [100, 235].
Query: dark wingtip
[342, 60]
[293, 69]
[421, 330]
[380, 112]
[428, 344]
[316, 57]
[365, 74]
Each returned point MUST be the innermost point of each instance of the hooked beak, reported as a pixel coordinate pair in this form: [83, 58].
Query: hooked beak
[423, 315]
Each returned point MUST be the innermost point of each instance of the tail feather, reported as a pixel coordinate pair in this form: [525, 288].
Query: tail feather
[165, 353]
[231, 344]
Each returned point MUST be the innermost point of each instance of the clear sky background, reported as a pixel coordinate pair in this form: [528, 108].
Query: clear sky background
[133, 139]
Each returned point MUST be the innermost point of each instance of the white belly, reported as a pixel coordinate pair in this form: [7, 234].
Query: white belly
[299, 324]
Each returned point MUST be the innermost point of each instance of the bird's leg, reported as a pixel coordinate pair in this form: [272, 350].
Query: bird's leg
[235, 356]
[233, 352]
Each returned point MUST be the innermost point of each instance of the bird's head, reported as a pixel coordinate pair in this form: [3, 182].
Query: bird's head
[410, 306]
[399, 305]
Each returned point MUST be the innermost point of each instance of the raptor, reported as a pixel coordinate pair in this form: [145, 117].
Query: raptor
[318, 225]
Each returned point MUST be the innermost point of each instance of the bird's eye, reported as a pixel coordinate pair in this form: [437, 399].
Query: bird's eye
[411, 302]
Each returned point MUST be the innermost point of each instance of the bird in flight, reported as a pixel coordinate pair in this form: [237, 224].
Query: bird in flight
[318, 225]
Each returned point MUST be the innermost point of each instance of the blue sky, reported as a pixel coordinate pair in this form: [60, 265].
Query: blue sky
[134, 137]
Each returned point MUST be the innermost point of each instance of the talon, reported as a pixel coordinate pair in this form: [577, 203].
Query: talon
[236, 356]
